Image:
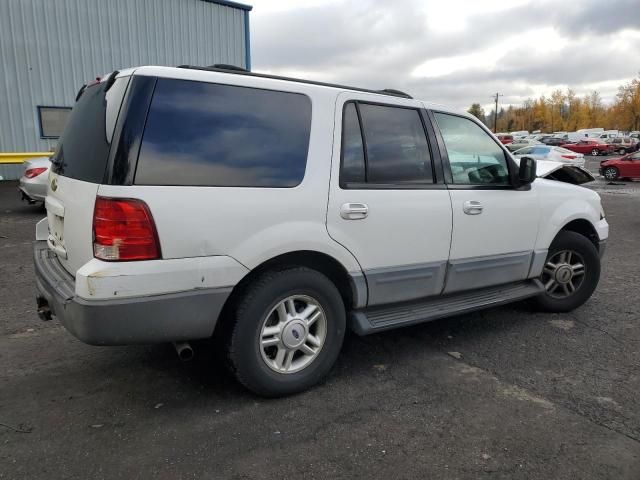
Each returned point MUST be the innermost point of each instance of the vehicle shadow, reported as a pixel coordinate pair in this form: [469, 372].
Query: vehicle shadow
[207, 373]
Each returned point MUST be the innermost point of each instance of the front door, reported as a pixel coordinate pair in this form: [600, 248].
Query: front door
[494, 225]
[634, 165]
[386, 203]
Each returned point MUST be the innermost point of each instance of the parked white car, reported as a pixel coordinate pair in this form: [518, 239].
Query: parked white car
[274, 213]
[547, 152]
[34, 181]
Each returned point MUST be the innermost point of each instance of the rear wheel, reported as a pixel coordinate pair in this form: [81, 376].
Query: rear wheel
[611, 173]
[288, 331]
[622, 151]
[595, 152]
[570, 274]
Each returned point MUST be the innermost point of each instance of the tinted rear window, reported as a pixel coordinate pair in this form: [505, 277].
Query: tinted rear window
[208, 134]
[397, 148]
[83, 149]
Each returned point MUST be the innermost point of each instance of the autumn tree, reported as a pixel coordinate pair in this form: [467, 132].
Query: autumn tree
[626, 109]
[568, 111]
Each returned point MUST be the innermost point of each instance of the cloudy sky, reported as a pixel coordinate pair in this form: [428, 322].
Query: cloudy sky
[452, 51]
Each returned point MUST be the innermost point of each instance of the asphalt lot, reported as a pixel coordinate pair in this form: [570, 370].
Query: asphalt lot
[504, 393]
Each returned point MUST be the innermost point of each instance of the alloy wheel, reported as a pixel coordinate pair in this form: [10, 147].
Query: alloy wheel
[610, 173]
[293, 334]
[563, 274]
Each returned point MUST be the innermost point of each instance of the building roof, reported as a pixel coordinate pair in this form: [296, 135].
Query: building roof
[226, 3]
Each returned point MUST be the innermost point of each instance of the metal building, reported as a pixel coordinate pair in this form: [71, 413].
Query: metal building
[50, 48]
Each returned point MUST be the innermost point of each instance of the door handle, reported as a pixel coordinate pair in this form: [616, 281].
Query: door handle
[354, 211]
[472, 207]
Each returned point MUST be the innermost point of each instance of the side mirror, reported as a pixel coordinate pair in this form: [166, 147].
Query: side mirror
[527, 172]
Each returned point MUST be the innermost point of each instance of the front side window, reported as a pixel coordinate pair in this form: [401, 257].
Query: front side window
[206, 134]
[475, 158]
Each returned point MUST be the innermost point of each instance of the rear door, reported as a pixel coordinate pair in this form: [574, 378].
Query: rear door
[387, 204]
[494, 225]
[78, 168]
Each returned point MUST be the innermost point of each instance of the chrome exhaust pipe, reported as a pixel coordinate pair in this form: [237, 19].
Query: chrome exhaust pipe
[184, 351]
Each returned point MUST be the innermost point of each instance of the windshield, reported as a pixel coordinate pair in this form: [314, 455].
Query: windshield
[83, 149]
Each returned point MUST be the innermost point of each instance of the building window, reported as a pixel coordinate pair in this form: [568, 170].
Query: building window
[52, 121]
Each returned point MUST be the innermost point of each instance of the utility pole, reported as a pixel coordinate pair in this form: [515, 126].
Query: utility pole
[495, 116]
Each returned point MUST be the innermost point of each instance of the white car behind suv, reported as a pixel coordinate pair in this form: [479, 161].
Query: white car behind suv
[274, 213]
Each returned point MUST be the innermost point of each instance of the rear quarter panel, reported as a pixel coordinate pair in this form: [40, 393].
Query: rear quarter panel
[251, 225]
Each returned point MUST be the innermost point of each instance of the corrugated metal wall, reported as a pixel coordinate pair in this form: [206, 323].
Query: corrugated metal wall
[49, 48]
[11, 171]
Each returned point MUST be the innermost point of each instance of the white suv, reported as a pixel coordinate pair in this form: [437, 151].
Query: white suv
[274, 213]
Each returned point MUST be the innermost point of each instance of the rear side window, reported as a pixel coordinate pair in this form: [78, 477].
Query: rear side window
[353, 169]
[83, 149]
[393, 150]
[205, 134]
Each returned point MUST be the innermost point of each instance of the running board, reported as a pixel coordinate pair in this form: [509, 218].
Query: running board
[377, 319]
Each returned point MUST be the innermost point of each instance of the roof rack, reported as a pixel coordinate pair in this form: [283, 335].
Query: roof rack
[241, 71]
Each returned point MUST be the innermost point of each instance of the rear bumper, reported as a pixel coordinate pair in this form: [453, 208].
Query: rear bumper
[139, 320]
[35, 192]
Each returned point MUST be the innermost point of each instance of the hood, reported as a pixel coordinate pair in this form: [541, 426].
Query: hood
[563, 172]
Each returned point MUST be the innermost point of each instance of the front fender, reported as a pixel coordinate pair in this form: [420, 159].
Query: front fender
[563, 203]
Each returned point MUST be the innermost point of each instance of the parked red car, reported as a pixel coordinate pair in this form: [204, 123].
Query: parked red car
[623, 167]
[589, 147]
[505, 139]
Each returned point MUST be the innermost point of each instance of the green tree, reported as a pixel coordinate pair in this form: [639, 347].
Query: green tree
[477, 111]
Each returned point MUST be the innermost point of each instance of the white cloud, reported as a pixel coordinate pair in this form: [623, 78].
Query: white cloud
[455, 51]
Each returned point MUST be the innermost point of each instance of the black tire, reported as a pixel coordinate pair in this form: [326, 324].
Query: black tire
[595, 152]
[611, 173]
[260, 297]
[579, 244]
[622, 151]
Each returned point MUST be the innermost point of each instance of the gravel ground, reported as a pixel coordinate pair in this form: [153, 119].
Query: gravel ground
[505, 393]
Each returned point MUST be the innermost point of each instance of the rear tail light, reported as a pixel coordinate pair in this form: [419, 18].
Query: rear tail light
[34, 172]
[570, 157]
[123, 229]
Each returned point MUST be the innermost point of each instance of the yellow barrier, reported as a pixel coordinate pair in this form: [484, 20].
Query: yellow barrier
[19, 157]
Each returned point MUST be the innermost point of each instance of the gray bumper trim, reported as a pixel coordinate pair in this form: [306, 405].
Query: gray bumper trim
[151, 319]
[602, 247]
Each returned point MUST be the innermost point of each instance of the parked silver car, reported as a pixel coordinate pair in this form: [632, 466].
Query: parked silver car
[548, 152]
[33, 184]
[517, 145]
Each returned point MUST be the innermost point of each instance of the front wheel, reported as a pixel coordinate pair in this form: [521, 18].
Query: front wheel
[622, 151]
[595, 152]
[288, 331]
[611, 173]
[570, 274]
